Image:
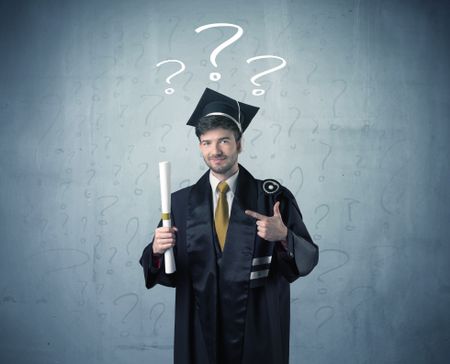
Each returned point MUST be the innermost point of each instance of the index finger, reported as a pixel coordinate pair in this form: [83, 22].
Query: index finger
[255, 215]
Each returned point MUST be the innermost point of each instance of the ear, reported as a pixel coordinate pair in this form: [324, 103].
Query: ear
[239, 145]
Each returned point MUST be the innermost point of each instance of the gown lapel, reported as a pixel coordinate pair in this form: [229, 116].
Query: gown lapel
[202, 260]
[235, 267]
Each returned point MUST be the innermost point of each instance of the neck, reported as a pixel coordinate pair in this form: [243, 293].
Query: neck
[228, 174]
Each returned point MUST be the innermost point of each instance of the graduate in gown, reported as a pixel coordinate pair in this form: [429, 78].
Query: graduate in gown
[237, 248]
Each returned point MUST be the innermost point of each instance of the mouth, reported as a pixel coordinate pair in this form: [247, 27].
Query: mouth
[217, 159]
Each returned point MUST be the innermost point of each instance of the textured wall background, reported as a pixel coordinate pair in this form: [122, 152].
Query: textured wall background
[356, 125]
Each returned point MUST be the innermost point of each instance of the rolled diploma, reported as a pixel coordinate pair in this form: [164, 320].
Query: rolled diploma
[164, 179]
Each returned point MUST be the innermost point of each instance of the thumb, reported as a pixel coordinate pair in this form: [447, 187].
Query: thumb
[276, 209]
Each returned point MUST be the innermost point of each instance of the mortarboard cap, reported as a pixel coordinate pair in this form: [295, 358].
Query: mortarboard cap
[214, 103]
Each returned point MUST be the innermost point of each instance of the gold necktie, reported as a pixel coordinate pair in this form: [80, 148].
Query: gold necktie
[221, 215]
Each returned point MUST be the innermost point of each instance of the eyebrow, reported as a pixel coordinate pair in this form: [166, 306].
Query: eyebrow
[209, 140]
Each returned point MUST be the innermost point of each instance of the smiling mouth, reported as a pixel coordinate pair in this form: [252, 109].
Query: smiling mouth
[216, 159]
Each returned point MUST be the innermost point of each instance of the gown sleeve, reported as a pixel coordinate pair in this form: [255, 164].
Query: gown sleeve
[155, 274]
[301, 255]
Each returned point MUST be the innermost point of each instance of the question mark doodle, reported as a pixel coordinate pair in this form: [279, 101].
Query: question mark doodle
[215, 76]
[114, 198]
[301, 179]
[138, 191]
[162, 148]
[252, 142]
[136, 219]
[82, 301]
[351, 201]
[338, 95]
[119, 167]
[329, 313]
[111, 271]
[170, 90]
[299, 113]
[158, 316]
[327, 211]
[278, 126]
[259, 92]
[330, 149]
[136, 299]
[334, 267]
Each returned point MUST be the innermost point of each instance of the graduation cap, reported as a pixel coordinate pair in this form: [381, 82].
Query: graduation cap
[214, 103]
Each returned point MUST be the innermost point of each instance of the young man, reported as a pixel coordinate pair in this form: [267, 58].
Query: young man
[238, 243]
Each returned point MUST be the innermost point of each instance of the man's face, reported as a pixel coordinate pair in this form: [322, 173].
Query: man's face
[220, 151]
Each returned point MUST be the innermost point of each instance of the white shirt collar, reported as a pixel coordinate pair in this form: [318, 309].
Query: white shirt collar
[231, 181]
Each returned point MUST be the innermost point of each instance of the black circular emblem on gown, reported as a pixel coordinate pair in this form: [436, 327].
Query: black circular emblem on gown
[270, 186]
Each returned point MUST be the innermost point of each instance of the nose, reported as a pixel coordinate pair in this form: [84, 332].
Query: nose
[217, 149]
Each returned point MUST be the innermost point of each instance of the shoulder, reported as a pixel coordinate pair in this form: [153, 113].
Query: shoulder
[181, 194]
[272, 187]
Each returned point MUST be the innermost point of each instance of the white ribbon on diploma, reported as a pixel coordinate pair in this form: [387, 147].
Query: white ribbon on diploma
[164, 180]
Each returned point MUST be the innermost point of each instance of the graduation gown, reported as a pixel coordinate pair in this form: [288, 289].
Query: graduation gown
[233, 307]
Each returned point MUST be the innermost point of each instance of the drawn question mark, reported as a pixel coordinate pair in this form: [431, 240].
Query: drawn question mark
[327, 211]
[158, 316]
[108, 140]
[327, 316]
[259, 92]
[351, 201]
[215, 76]
[330, 149]
[338, 95]
[82, 301]
[111, 271]
[299, 113]
[138, 191]
[170, 90]
[96, 254]
[114, 198]
[278, 126]
[135, 299]
[358, 172]
[365, 297]
[136, 219]
[119, 167]
[169, 128]
[334, 267]
[301, 179]
[252, 142]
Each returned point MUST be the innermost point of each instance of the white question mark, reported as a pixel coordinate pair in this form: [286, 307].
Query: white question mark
[170, 90]
[259, 92]
[215, 76]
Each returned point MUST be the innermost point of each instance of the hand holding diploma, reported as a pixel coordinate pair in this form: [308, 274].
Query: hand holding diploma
[165, 235]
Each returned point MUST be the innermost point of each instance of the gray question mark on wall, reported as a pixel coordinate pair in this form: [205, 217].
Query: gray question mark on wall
[299, 113]
[138, 191]
[328, 313]
[110, 270]
[169, 128]
[330, 149]
[135, 298]
[338, 95]
[162, 307]
[215, 76]
[327, 211]
[300, 179]
[252, 142]
[136, 220]
[334, 267]
[114, 199]
[351, 201]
